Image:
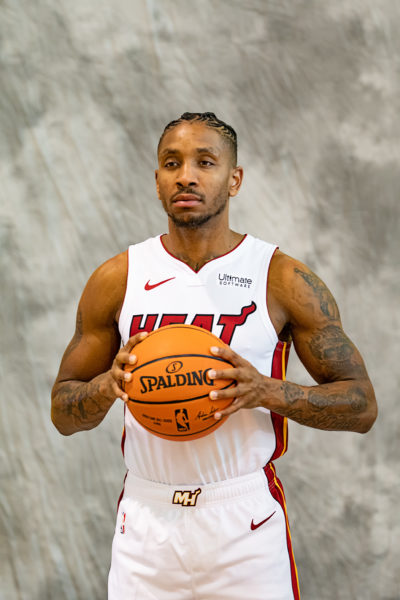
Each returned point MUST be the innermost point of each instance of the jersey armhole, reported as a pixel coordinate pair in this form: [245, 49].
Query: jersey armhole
[123, 315]
[264, 291]
[267, 286]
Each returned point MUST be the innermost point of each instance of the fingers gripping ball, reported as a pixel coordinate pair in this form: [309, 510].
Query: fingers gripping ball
[169, 389]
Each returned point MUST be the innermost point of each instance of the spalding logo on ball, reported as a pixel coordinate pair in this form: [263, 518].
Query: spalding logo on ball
[170, 386]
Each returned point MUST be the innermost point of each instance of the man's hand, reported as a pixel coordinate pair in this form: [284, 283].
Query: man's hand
[124, 357]
[347, 405]
[252, 388]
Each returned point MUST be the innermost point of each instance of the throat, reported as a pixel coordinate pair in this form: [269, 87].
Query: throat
[196, 263]
[197, 255]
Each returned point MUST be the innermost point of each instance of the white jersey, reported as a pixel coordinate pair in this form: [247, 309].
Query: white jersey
[228, 296]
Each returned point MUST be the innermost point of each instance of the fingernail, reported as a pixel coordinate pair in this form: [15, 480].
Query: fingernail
[215, 349]
[217, 415]
[132, 359]
[143, 334]
[213, 395]
[212, 374]
[127, 376]
[125, 397]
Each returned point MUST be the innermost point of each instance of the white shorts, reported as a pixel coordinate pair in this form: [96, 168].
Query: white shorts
[224, 541]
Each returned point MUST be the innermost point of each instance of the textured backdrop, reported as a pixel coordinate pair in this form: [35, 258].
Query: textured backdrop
[86, 87]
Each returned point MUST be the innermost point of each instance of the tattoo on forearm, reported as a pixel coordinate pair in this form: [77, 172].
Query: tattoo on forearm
[326, 408]
[83, 402]
[292, 393]
[326, 300]
[326, 421]
[353, 399]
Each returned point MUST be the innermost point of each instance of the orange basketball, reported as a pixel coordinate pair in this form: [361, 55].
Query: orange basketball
[169, 390]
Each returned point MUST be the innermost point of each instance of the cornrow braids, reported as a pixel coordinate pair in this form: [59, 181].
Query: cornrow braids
[210, 120]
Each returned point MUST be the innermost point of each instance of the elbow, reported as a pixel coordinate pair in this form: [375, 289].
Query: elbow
[59, 421]
[59, 424]
[370, 416]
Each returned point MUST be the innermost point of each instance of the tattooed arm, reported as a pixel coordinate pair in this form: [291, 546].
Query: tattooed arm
[344, 399]
[89, 379]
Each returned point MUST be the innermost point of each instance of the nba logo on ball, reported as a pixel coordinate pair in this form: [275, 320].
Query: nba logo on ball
[182, 419]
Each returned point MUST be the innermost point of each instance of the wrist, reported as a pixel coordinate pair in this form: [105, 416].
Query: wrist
[101, 388]
[286, 395]
[273, 394]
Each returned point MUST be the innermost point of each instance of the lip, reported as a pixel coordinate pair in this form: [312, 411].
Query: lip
[186, 200]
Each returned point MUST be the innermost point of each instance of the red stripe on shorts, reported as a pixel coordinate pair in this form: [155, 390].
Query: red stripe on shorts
[277, 492]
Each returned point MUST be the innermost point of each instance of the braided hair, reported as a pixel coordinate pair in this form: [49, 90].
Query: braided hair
[210, 120]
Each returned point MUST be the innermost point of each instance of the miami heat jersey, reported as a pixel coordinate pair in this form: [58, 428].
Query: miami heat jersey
[227, 296]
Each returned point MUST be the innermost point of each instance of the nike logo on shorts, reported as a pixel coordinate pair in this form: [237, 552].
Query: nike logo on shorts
[150, 286]
[254, 526]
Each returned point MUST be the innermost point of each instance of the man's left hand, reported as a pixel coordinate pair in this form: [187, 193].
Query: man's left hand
[251, 388]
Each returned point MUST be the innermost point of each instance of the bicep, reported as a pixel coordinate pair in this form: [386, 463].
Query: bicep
[320, 342]
[96, 339]
[90, 352]
[327, 353]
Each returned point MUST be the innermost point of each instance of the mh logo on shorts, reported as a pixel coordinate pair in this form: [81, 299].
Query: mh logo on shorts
[186, 497]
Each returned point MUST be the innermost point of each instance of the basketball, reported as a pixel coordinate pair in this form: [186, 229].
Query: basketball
[169, 389]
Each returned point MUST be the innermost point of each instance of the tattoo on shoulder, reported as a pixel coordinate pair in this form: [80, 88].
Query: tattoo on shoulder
[326, 300]
[79, 325]
[77, 335]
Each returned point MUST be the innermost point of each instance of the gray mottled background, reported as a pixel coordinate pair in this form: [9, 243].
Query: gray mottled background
[313, 89]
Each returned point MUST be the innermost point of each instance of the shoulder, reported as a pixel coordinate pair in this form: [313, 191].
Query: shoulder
[105, 289]
[300, 293]
[110, 274]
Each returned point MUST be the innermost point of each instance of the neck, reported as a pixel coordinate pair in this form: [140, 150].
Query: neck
[197, 247]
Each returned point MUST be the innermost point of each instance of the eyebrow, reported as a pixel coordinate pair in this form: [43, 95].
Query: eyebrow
[205, 150]
[209, 150]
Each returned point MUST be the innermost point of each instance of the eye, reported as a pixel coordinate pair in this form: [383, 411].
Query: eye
[206, 163]
[170, 164]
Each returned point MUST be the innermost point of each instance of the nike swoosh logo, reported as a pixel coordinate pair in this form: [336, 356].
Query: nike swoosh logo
[150, 286]
[254, 526]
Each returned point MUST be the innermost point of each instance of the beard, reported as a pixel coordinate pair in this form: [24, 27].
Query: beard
[195, 221]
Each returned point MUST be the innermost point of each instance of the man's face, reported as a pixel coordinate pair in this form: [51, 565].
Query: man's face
[195, 175]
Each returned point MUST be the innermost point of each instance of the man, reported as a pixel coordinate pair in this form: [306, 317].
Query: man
[230, 539]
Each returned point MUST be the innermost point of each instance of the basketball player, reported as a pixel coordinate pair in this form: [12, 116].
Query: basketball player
[206, 519]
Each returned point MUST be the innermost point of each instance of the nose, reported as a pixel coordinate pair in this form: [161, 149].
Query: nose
[186, 176]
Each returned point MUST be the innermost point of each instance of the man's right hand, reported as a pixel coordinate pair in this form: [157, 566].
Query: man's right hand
[124, 357]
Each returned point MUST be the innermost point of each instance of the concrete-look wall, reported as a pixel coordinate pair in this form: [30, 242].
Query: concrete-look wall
[312, 88]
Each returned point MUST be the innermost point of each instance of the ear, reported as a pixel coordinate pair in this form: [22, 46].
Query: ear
[157, 186]
[236, 181]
